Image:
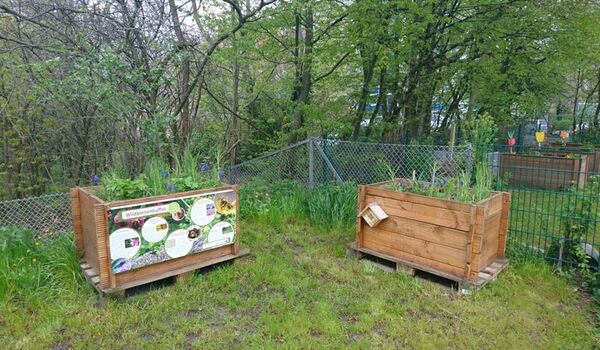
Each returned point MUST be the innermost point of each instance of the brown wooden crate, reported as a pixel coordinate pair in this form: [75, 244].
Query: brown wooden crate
[96, 250]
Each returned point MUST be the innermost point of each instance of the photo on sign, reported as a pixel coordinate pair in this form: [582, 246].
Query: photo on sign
[132, 242]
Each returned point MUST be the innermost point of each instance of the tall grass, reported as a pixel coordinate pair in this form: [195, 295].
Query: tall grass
[32, 269]
[327, 207]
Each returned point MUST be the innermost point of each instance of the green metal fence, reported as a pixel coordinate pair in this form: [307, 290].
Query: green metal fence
[555, 198]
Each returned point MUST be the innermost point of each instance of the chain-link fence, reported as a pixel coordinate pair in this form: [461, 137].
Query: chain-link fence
[317, 161]
[44, 214]
[555, 191]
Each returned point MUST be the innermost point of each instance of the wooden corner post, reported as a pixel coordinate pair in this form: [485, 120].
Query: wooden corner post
[76, 220]
[359, 222]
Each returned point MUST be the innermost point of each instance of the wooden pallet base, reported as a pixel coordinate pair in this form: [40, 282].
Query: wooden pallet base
[488, 274]
[180, 274]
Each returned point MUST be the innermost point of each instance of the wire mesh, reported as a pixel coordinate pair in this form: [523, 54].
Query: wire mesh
[555, 190]
[364, 163]
[44, 214]
[555, 199]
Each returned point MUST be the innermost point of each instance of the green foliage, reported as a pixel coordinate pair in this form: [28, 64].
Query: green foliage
[158, 178]
[481, 133]
[328, 207]
[456, 188]
[578, 222]
[33, 269]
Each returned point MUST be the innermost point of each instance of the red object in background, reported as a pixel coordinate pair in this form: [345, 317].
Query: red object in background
[512, 141]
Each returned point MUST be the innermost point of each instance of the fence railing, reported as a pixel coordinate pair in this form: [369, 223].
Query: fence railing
[555, 191]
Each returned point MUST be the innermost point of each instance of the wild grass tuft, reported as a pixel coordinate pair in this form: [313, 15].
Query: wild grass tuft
[31, 269]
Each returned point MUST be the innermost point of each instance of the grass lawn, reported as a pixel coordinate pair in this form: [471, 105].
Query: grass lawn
[298, 290]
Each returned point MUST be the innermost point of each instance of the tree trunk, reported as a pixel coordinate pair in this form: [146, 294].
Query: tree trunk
[368, 67]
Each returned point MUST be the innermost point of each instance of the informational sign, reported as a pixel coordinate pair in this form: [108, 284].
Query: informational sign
[148, 233]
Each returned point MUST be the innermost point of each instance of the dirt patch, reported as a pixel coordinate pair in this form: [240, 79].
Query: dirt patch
[60, 346]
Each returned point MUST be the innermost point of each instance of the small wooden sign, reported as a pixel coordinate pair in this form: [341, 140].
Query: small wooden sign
[373, 214]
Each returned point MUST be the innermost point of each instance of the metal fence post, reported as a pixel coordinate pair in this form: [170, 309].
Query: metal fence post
[469, 156]
[311, 164]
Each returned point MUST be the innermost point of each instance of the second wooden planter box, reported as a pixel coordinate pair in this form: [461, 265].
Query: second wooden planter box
[543, 171]
[451, 239]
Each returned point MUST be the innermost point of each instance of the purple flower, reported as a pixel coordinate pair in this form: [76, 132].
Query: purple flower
[422, 183]
[221, 174]
[96, 179]
[166, 173]
[171, 187]
[202, 167]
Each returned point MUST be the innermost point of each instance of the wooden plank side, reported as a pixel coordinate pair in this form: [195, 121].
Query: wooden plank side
[495, 205]
[489, 249]
[503, 228]
[76, 220]
[476, 243]
[88, 228]
[235, 247]
[425, 231]
[421, 212]
[418, 199]
[359, 221]
[103, 247]
[416, 247]
[417, 260]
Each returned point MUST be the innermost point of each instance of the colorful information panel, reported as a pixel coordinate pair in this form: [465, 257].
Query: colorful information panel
[152, 232]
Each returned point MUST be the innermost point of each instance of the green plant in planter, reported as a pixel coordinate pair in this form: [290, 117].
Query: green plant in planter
[456, 188]
[158, 178]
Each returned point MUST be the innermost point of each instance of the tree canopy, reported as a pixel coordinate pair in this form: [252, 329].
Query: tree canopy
[88, 84]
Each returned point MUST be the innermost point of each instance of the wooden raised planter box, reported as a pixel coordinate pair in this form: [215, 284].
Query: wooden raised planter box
[543, 171]
[128, 243]
[459, 241]
[592, 161]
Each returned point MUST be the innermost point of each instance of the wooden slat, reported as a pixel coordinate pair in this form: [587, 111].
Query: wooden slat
[236, 243]
[476, 243]
[88, 228]
[103, 246]
[489, 249]
[359, 221]
[421, 212]
[417, 261]
[417, 247]
[418, 199]
[76, 220]
[426, 231]
[503, 229]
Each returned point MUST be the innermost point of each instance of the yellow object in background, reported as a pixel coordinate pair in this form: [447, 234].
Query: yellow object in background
[540, 136]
